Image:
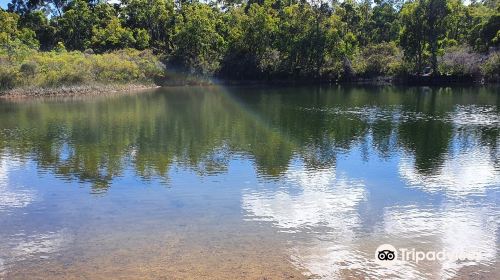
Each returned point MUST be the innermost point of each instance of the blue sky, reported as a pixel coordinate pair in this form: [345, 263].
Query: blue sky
[3, 3]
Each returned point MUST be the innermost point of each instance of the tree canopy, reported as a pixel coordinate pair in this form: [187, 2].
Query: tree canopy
[262, 39]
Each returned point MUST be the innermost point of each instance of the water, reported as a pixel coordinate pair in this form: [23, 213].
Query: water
[251, 183]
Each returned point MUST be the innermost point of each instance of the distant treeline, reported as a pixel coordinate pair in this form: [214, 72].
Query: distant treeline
[265, 39]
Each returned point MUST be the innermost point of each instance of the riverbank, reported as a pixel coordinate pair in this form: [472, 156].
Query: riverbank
[406, 80]
[76, 90]
[103, 88]
[110, 89]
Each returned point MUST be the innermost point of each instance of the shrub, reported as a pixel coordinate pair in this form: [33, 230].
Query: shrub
[60, 47]
[491, 68]
[8, 78]
[269, 61]
[378, 60]
[141, 39]
[113, 67]
[460, 60]
[29, 68]
[52, 69]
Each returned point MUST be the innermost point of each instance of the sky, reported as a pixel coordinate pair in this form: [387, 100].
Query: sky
[3, 3]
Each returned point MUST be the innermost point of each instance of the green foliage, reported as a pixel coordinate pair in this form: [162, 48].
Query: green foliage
[29, 69]
[436, 12]
[258, 39]
[490, 31]
[251, 50]
[75, 26]
[39, 23]
[8, 78]
[491, 68]
[198, 45]
[483, 27]
[378, 60]
[412, 34]
[52, 69]
[383, 25]
[60, 47]
[112, 37]
[12, 37]
[154, 16]
[141, 39]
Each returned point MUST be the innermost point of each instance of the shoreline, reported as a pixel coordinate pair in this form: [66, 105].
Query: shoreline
[110, 89]
[405, 80]
[74, 91]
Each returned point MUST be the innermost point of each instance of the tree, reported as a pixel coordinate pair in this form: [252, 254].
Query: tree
[435, 25]
[38, 22]
[299, 37]
[264, 39]
[22, 7]
[13, 37]
[112, 37]
[76, 25]
[154, 16]
[384, 24]
[490, 31]
[411, 36]
[457, 22]
[198, 45]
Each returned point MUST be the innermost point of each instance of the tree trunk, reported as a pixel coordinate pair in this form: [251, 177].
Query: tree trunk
[434, 50]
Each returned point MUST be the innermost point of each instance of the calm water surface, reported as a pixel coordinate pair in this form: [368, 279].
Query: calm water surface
[250, 183]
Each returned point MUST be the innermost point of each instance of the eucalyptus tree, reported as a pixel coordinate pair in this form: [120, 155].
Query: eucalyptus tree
[435, 24]
[154, 16]
[199, 46]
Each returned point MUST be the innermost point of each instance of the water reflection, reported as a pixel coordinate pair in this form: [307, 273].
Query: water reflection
[38, 244]
[25, 244]
[10, 197]
[202, 127]
[307, 199]
[338, 171]
[470, 172]
[453, 228]
[321, 206]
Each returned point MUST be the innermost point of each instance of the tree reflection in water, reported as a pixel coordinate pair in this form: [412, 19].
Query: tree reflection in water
[444, 142]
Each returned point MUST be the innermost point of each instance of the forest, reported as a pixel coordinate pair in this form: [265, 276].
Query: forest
[52, 42]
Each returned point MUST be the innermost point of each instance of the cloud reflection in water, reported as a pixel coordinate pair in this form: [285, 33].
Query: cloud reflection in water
[10, 198]
[470, 172]
[20, 245]
[321, 206]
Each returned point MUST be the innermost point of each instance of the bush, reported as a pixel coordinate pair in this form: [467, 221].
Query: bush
[52, 69]
[491, 68]
[382, 59]
[8, 78]
[60, 47]
[115, 68]
[460, 60]
[29, 68]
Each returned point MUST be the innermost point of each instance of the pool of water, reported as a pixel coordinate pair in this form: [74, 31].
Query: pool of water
[252, 183]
